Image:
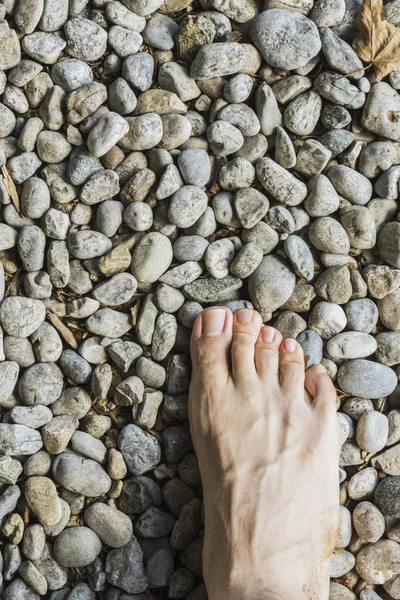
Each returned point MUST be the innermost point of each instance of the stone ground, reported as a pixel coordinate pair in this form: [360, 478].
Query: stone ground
[157, 158]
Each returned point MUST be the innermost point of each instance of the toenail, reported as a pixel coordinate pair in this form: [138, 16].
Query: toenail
[244, 315]
[290, 345]
[321, 369]
[268, 334]
[213, 321]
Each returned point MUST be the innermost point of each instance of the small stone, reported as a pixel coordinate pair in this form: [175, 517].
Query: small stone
[112, 526]
[217, 60]
[80, 475]
[302, 114]
[141, 450]
[85, 39]
[366, 379]
[151, 257]
[41, 495]
[382, 101]
[76, 547]
[263, 293]
[287, 40]
[377, 563]
[281, 184]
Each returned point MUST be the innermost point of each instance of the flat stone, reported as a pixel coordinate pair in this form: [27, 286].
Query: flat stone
[286, 39]
[366, 379]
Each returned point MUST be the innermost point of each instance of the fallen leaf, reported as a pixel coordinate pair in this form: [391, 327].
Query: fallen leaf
[377, 41]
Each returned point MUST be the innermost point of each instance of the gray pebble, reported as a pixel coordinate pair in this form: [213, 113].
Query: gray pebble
[218, 60]
[141, 450]
[80, 475]
[366, 379]
[381, 101]
[388, 244]
[299, 255]
[109, 129]
[21, 316]
[124, 41]
[302, 114]
[109, 323]
[76, 547]
[281, 184]
[339, 90]
[86, 41]
[18, 440]
[312, 345]
[125, 568]
[86, 244]
[286, 39]
[262, 289]
[43, 47]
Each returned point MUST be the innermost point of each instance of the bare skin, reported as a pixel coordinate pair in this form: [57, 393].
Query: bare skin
[268, 441]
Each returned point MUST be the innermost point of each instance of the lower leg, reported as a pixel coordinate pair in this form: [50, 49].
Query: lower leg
[268, 442]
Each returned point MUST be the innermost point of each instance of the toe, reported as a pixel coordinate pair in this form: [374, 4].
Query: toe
[211, 340]
[291, 366]
[320, 387]
[246, 328]
[267, 354]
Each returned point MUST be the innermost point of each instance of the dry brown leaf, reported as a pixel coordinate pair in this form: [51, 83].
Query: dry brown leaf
[377, 41]
[11, 189]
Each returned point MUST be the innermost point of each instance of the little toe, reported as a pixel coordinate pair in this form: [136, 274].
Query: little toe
[291, 366]
[267, 354]
[211, 340]
[246, 328]
[320, 387]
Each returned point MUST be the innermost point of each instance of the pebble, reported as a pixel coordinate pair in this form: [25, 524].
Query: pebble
[286, 39]
[366, 379]
[217, 60]
[263, 293]
[108, 130]
[351, 344]
[327, 320]
[151, 257]
[363, 484]
[302, 114]
[124, 568]
[78, 30]
[76, 547]
[376, 563]
[141, 450]
[41, 495]
[380, 102]
[368, 522]
[362, 315]
[372, 431]
[280, 183]
[328, 235]
[387, 496]
[112, 526]
[80, 475]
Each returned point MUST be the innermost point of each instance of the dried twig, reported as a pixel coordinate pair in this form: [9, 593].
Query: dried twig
[334, 79]
[11, 189]
[63, 330]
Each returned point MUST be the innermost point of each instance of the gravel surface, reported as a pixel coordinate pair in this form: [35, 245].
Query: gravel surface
[157, 157]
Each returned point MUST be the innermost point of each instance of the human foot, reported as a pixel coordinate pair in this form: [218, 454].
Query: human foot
[268, 442]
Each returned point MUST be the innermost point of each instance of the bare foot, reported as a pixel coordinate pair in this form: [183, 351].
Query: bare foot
[268, 443]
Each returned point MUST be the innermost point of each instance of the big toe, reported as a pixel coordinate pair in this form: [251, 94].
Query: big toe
[211, 340]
